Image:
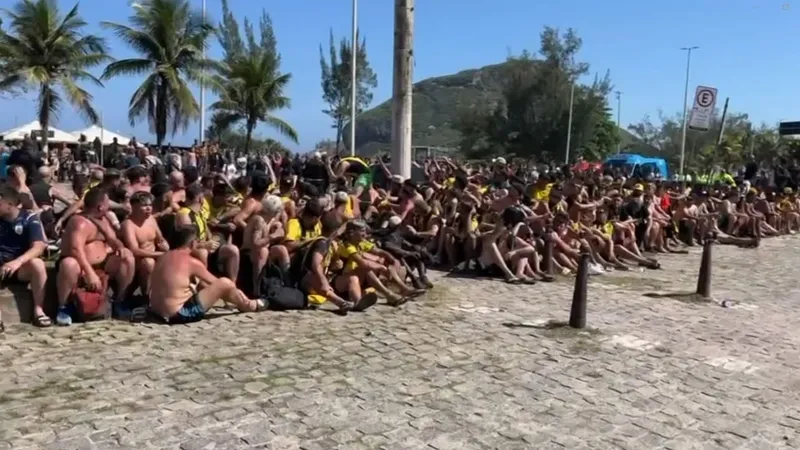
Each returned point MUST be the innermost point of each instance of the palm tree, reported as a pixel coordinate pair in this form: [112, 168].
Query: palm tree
[249, 81]
[44, 51]
[253, 90]
[170, 38]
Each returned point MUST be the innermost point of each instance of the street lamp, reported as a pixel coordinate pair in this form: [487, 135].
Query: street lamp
[203, 92]
[569, 121]
[353, 87]
[619, 115]
[688, 51]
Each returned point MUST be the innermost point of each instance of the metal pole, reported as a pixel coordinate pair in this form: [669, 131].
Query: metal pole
[353, 78]
[102, 140]
[203, 92]
[569, 122]
[685, 104]
[619, 116]
[402, 89]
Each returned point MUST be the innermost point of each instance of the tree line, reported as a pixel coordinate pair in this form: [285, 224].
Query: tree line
[50, 54]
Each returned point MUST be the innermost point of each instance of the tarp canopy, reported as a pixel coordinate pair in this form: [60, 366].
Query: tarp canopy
[106, 137]
[34, 130]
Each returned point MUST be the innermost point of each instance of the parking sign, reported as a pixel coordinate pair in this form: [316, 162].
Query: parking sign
[705, 98]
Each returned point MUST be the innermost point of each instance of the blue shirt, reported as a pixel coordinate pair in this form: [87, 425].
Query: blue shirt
[18, 236]
[4, 165]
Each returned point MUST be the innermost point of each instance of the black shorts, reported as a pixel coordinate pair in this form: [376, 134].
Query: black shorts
[191, 311]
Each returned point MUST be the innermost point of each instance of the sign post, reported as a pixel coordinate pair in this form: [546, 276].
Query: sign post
[705, 98]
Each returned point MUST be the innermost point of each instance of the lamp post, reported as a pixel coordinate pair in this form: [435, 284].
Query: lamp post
[619, 116]
[203, 92]
[688, 51]
[353, 77]
[569, 121]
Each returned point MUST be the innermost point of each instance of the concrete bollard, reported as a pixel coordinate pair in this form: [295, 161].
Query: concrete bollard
[577, 313]
[547, 254]
[704, 277]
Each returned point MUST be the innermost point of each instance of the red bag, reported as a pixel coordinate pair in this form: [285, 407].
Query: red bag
[91, 305]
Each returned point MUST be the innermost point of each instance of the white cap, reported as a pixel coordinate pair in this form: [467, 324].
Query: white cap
[395, 221]
[499, 160]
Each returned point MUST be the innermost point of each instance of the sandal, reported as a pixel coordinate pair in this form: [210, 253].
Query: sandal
[513, 280]
[398, 302]
[416, 293]
[528, 281]
[138, 314]
[367, 300]
[261, 305]
[42, 321]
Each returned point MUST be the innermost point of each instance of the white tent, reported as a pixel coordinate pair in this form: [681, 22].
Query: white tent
[34, 130]
[106, 137]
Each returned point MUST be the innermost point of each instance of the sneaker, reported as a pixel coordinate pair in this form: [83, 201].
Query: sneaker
[63, 318]
[595, 269]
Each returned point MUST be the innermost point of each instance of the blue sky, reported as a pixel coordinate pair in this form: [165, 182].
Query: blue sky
[745, 51]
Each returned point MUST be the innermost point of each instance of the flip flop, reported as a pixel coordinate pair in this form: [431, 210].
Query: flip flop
[138, 314]
[42, 321]
[416, 293]
[548, 278]
[528, 281]
[398, 302]
[367, 300]
[513, 280]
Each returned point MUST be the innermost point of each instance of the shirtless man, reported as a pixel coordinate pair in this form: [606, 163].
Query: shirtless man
[212, 252]
[141, 235]
[177, 190]
[259, 185]
[172, 295]
[89, 243]
[263, 230]
[138, 180]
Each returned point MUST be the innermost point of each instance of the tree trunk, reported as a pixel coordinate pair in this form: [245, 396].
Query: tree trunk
[161, 112]
[44, 119]
[249, 136]
[339, 131]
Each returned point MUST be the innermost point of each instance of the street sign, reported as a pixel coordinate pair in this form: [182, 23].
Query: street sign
[789, 129]
[705, 98]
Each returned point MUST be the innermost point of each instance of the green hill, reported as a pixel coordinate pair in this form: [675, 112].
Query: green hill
[437, 103]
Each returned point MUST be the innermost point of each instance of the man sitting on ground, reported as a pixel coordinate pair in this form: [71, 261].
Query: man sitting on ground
[212, 252]
[172, 295]
[141, 235]
[22, 243]
[89, 245]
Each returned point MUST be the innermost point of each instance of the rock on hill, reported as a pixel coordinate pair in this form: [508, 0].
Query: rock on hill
[438, 101]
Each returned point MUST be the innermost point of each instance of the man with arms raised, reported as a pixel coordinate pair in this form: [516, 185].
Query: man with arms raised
[141, 235]
[89, 243]
[172, 295]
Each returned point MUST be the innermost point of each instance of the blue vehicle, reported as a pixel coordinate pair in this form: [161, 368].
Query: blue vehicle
[638, 166]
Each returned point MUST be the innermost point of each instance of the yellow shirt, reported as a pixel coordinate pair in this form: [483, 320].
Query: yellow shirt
[205, 209]
[346, 252]
[348, 208]
[542, 194]
[198, 221]
[294, 232]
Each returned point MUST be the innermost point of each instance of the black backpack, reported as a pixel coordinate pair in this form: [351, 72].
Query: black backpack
[276, 288]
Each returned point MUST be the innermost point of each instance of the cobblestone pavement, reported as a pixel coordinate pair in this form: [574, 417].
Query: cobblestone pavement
[454, 370]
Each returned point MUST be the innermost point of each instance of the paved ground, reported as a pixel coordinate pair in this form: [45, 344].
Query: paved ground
[453, 371]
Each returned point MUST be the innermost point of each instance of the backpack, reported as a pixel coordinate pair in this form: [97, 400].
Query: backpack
[276, 288]
[91, 305]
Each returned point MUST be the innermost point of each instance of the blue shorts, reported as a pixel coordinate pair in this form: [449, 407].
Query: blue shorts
[191, 311]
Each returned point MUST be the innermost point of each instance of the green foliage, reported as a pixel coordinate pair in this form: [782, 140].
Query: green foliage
[249, 81]
[532, 117]
[741, 141]
[520, 106]
[337, 81]
[170, 39]
[236, 138]
[48, 52]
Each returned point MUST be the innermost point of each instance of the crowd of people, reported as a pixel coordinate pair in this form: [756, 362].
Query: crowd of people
[169, 235]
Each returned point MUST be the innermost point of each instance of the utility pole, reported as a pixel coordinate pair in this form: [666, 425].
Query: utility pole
[569, 121]
[203, 93]
[688, 51]
[403, 89]
[619, 116]
[353, 77]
